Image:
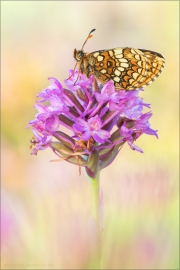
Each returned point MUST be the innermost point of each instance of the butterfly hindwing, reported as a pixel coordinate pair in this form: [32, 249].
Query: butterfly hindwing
[129, 68]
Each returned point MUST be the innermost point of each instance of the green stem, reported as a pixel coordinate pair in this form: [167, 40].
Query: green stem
[95, 248]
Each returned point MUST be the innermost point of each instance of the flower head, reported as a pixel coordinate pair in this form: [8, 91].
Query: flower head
[100, 119]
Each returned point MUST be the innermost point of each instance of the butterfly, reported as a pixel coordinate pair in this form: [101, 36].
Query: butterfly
[128, 68]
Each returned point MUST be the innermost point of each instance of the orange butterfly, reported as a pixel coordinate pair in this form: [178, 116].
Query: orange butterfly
[129, 68]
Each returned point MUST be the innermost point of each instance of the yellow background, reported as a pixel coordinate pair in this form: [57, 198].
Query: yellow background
[46, 206]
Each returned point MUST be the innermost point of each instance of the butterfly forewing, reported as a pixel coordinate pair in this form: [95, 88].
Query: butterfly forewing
[128, 68]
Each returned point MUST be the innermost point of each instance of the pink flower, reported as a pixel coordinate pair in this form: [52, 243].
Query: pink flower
[99, 119]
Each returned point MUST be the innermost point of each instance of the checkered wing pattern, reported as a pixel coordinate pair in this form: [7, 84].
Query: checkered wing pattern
[129, 68]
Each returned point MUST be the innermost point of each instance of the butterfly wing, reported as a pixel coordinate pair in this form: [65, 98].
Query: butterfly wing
[128, 68]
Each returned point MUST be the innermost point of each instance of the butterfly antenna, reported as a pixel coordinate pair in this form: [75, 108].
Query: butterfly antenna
[89, 36]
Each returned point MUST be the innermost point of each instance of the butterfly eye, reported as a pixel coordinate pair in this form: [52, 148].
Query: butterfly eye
[80, 54]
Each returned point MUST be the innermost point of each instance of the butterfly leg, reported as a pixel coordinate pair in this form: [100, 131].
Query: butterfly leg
[72, 72]
[77, 77]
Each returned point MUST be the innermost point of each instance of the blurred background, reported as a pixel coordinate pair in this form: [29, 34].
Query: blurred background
[45, 208]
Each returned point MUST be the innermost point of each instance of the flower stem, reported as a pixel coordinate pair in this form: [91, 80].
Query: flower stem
[95, 229]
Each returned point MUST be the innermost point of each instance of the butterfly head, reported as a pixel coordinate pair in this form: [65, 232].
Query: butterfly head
[78, 55]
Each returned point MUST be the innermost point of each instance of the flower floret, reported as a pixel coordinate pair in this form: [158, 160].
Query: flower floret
[92, 127]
